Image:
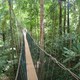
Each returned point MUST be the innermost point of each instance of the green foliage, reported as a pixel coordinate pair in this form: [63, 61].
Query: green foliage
[28, 13]
[68, 53]
[77, 65]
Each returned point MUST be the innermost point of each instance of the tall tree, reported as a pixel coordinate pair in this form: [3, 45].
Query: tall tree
[11, 32]
[68, 22]
[64, 16]
[42, 23]
[68, 25]
[41, 38]
[60, 17]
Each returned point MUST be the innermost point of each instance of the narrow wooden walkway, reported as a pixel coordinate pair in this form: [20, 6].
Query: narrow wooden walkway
[26, 60]
[31, 73]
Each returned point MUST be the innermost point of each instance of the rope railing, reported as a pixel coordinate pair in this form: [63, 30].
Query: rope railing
[53, 58]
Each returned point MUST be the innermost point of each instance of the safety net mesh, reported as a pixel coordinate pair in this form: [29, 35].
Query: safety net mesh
[21, 71]
[46, 68]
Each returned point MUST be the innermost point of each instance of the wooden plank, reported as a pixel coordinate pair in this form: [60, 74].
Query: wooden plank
[31, 73]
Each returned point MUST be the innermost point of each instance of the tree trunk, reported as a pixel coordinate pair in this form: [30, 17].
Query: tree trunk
[68, 23]
[68, 28]
[64, 24]
[60, 18]
[41, 74]
[11, 32]
[42, 23]
[64, 17]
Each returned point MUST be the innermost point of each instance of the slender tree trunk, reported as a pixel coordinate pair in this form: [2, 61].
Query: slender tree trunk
[78, 25]
[68, 31]
[64, 17]
[68, 27]
[60, 25]
[11, 32]
[68, 22]
[42, 23]
[64, 25]
[41, 74]
[37, 28]
[60, 18]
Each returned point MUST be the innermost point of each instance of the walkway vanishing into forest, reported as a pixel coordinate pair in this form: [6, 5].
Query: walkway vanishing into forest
[29, 62]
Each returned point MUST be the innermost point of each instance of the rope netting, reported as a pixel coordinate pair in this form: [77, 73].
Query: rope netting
[50, 71]
[21, 71]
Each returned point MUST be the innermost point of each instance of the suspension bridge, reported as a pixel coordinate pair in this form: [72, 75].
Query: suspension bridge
[30, 67]
[29, 62]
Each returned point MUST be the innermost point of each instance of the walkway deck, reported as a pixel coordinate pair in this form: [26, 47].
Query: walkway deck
[31, 73]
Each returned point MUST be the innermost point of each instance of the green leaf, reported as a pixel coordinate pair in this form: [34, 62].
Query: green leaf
[77, 65]
[2, 62]
[68, 59]
[69, 52]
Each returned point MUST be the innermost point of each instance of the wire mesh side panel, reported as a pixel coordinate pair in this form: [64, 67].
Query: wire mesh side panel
[22, 72]
[51, 71]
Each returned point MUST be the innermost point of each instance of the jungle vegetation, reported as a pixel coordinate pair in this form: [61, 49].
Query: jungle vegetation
[54, 25]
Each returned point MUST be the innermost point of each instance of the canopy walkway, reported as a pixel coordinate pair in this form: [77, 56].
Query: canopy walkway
[29, 62]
